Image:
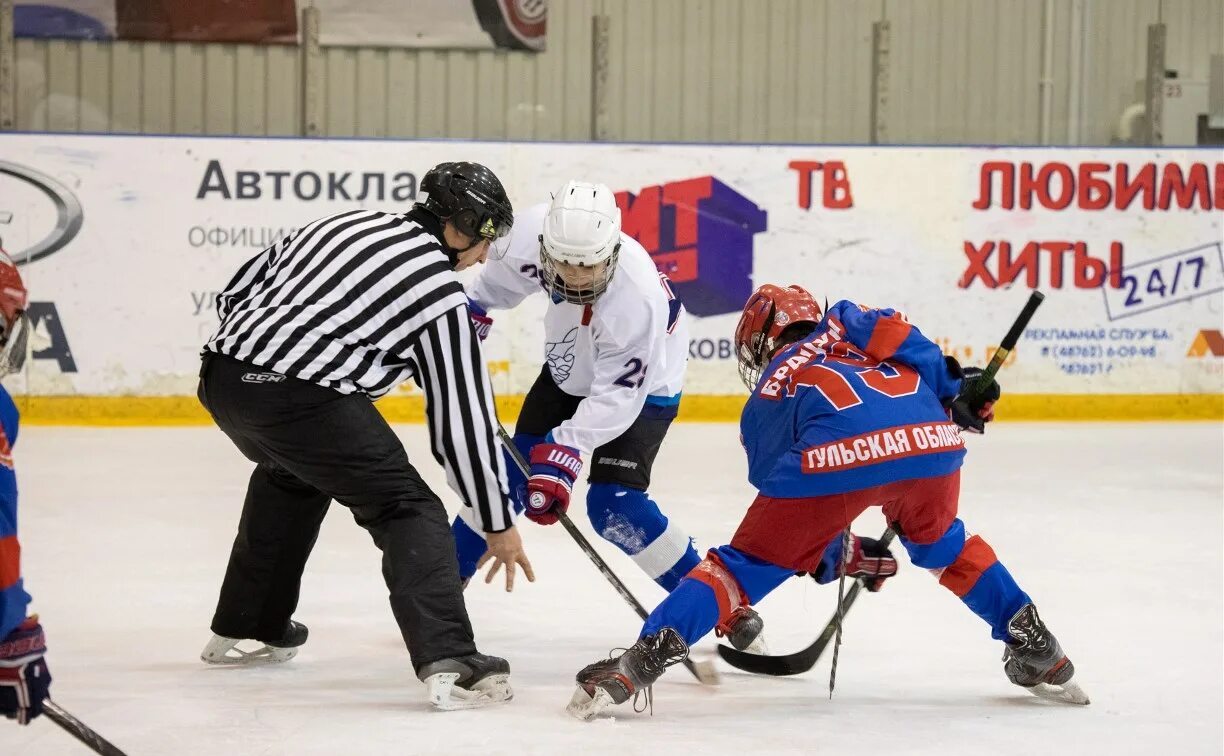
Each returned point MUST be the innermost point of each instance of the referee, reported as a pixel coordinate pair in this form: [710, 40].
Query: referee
[312, 330]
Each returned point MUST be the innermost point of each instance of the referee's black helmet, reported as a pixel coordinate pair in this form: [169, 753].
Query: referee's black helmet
[471, 197]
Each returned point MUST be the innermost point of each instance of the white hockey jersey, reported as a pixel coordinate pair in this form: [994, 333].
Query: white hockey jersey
[628, 348]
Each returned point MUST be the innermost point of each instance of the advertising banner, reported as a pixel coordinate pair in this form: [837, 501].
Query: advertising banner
[126, 241]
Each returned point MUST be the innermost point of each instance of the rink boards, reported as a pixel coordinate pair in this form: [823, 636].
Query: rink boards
[125, 241]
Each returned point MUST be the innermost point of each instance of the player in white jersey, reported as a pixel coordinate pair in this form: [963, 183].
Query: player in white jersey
[616, 347]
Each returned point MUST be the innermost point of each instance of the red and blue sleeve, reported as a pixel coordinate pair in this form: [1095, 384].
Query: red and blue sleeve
[14, 601]
[886, 335]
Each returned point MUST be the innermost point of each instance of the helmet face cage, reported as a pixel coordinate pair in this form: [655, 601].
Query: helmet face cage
[751, 341]
[14, 324]
[559, 290]
[752, 361]
[767, 314]
[13, 345]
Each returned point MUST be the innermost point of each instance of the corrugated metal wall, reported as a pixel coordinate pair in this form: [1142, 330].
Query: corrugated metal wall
[1195, 33]
[157, 88]
[963, 71]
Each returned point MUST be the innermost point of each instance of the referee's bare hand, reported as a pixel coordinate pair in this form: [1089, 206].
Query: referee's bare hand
[506, 548]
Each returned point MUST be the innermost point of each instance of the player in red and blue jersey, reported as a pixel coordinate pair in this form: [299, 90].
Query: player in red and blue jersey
[24, 679]
[849, 409]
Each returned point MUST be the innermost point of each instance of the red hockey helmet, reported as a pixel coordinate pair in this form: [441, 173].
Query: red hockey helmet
[769, 311]
[14, 327]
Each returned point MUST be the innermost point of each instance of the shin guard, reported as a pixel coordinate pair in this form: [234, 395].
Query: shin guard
[632, 521]
[967, 566]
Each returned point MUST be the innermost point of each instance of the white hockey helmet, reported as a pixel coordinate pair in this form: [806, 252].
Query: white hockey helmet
[581, 230]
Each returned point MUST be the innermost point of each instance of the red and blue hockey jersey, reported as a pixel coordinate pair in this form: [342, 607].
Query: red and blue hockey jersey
[856, 404]
[13, 598]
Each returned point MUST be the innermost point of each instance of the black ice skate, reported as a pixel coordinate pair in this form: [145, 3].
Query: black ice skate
[615, 680]
[745, 631]
[223, 650]
[465, 682]
[1034, 660]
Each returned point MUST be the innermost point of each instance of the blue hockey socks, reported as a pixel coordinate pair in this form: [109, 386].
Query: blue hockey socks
[724, 581]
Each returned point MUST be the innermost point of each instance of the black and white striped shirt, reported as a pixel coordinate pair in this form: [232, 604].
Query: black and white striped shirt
[359, 302]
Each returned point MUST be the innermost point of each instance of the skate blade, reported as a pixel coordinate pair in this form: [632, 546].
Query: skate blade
[446, 696]
[705, 672]
[225, 652]
[586, 707]
[758, 646]
[1069, 692]
[496, 687]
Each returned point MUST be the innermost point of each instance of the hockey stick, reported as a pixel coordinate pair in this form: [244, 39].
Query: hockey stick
[703, 671]
[1009, 341]
[802, 661]
[79, 730]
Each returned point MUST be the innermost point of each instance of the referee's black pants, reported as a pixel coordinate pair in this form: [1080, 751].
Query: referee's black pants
[311, 445]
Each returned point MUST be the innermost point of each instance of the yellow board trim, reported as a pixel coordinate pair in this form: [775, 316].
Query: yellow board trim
[185, 410]
[1027, 407]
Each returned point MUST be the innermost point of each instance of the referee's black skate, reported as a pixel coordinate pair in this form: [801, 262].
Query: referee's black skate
[224, 650]
[466, 682]
[1034, 660]
[613, 681]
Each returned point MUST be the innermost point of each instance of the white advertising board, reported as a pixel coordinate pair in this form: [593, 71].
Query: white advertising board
[124, 242]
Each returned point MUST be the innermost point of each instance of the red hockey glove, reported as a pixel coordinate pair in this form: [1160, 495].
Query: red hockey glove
[553, 470]
[870, 560]
[25, 681]
[867, 559]
[481, 321]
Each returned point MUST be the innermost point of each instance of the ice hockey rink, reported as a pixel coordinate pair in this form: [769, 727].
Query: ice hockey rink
[1114, 529]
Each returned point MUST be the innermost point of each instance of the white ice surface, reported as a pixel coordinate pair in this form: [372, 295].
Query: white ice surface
[1115, 530]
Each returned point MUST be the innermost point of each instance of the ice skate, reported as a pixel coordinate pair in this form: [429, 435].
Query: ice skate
[466, 682]
[613, 681]
[223, 650]
[745, 631]
[1034, 660]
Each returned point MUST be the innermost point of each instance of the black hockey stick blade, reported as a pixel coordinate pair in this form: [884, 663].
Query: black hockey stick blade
[800, 661]
[79, 730]
[703, 671]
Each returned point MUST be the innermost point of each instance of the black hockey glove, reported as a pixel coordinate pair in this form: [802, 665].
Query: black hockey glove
[974, 406]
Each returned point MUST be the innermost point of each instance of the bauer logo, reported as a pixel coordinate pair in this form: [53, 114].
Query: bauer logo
[38, 215]
[699, 232]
